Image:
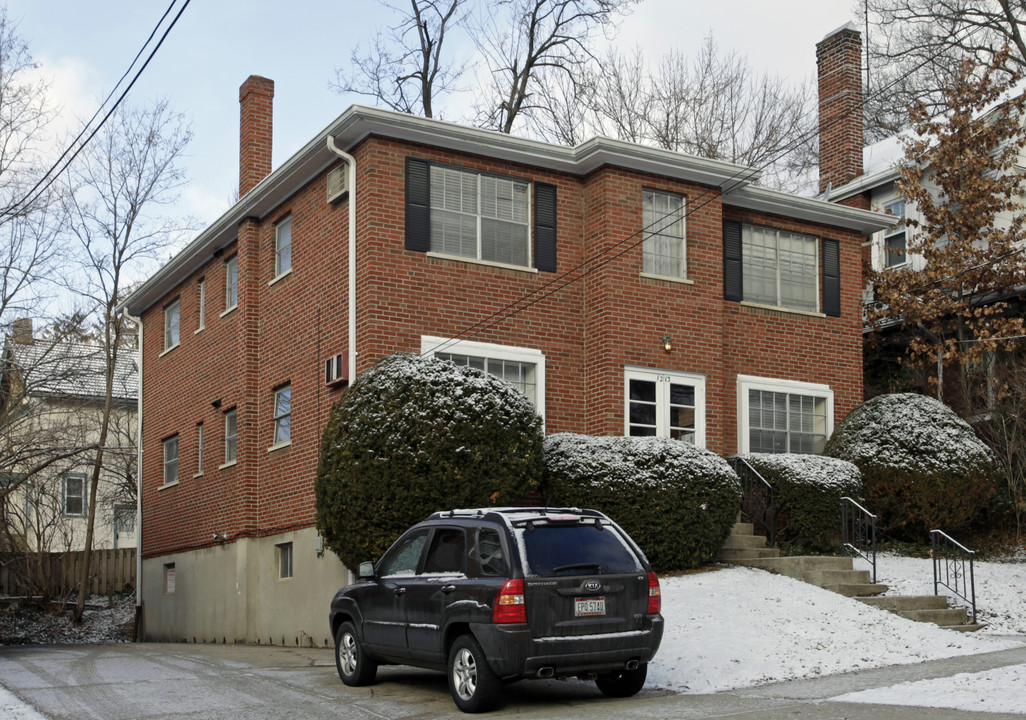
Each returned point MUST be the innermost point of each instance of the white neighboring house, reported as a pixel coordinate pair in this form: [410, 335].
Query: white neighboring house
[52, 397]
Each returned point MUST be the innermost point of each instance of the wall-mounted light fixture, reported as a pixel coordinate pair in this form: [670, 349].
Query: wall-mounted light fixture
[667, 343]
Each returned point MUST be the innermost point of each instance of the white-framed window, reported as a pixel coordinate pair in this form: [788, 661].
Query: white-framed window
[283, 551]
[230, 436]
[523, 367]
[283, 246]
[480, 216]
[171, 460]
[199, 448]
[201, 291]
[172, 324]
[124, 524]
[664, 403]
[231, 282]
[282, 414]
[780, 268]
[74, 500]
[783, 416]
[664, 247]
[895, 252]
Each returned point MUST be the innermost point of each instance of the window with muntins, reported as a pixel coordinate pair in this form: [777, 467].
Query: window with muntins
[664, 247]
[783, 416]
[202, 291]
[171, 460]
[521, 375]
[283, 246]
[895, 253]
[780, 268]
[172, 324]
[283, 414]
[665, 404]
[480, 216]
[74, 495]
[231, 283]
[230, 430]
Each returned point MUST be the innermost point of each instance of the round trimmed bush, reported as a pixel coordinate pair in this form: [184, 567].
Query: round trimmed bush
[923, 467]
[677, 501]
[807, 492]
[412, 436]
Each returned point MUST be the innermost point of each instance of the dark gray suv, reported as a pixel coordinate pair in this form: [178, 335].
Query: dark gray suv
[498, 594]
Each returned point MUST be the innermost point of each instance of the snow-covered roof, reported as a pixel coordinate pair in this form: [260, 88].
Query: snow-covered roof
[72, 369]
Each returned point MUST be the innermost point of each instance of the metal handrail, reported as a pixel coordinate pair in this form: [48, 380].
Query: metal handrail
[953, 573]
[858, 532]
[757, 497]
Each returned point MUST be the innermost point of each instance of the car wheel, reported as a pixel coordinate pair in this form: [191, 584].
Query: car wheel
[354, 667]
[622, 683]
[474, 687]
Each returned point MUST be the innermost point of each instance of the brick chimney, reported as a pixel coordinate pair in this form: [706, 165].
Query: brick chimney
[839, 60]
[21, 331]
[256, 101]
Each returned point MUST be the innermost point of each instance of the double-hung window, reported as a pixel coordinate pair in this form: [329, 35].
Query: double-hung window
[780, 268]
[171, 460]
[479, 216]
[230, 431]
[172, 324]
[283, 246]
[74, 495]
[664, 248]
[283, 414]
[284, 553]
[231, 283]
[199, 448]
[201, 288]
[778, 416]
[658, 403]
[894, 247]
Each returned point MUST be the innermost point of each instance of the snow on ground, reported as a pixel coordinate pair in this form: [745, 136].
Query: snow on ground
[11, 708]
[740, 627]
[102, 622]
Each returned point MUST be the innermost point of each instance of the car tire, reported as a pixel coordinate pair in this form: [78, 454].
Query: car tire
[622, 683]
[352, 663]
[473, 685]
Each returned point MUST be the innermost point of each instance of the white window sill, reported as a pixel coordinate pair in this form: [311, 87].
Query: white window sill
[167, 350]
[199, 330]
[667, 278]
[489, 263]
[197, 475]
[227, 465]
[278, 278]
[165, 486]
[229, 310]
[777, 308]
[279, 446]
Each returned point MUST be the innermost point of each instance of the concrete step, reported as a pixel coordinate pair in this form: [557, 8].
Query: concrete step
[743, 528]
[945, 617]
[798, 566]
[745, 556]
[836, 577]
[745, 541]
[966, 627]
[907, 602]
[856, 590]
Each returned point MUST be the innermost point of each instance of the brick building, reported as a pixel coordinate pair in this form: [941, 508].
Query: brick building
[625, 289]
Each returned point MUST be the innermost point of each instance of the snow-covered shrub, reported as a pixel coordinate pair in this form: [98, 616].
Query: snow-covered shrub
[677, 501]
[923, 467]
[412, 436]
[807, 494]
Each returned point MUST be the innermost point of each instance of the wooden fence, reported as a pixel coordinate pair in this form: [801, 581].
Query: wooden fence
[57, 574]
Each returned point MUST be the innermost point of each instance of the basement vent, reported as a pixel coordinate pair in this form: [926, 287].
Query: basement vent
[338, 183]
[336, 370]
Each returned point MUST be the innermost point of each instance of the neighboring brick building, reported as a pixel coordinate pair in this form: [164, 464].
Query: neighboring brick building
[534, 257]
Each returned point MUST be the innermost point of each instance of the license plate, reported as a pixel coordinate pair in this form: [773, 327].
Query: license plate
[585, 607]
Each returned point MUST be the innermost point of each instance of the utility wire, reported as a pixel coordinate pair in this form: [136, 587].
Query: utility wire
[51, 175]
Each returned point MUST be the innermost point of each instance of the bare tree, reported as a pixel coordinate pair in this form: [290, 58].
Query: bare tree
[404, 68]
[521, 40]
[915, 47]
[128, 172]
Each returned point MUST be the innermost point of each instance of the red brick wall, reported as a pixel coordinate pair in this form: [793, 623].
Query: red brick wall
[839, 62]
[588, 330]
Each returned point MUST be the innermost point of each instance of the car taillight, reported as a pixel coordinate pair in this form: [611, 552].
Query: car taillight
[509, 603]
[655, 599]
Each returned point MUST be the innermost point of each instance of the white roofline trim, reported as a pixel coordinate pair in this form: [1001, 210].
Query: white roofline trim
[813, 210]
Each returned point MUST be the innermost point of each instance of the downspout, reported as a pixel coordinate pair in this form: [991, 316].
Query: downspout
[351, 170]
[138, 476]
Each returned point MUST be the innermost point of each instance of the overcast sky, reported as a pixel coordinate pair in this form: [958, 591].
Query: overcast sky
[83, 48]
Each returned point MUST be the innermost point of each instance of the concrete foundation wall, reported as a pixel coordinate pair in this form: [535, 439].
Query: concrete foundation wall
[232, 593]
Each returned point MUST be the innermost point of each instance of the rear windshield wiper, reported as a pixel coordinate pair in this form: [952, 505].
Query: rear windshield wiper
[579, 566]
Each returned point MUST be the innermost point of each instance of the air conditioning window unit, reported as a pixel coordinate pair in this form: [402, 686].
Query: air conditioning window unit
[338, 183]
[336, 370]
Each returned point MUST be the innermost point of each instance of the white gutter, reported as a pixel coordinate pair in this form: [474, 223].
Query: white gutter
[351, 171]
[138, 471]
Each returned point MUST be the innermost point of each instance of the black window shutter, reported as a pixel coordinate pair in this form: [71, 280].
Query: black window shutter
[831, 277]
[545, 226]
[733, 288]
[418, 205]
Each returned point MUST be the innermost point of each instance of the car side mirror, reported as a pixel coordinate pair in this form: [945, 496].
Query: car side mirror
[366, 571]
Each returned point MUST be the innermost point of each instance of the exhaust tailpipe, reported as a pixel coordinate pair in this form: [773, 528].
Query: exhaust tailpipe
[546, 672]
[632, 665]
